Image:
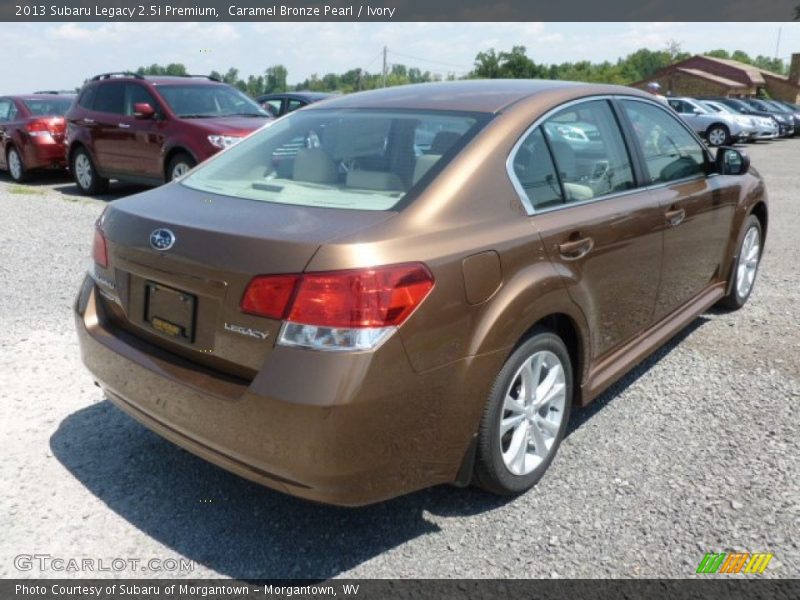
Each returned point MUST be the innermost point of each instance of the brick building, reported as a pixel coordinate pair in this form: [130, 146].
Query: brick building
[708, 76]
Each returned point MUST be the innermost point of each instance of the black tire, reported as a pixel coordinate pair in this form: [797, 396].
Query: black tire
[490, 471]
[88, 181]
[719, 133]
[181, 160]
[735, 299]
[19, 173]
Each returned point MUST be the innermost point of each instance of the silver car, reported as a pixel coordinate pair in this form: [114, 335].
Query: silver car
[762, 128]
[719, 129]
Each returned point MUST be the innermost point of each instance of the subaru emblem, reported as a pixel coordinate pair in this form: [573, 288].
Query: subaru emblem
[162, 239]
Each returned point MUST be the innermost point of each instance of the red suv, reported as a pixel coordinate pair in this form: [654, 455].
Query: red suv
[150, 130]
[32, 133]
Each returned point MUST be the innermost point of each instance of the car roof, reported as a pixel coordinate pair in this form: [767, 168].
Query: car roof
[477, 95]
[68, 96]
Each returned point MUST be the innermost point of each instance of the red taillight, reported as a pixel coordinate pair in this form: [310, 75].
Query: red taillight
[269, 295]
[46, 126]
[375, 297]
[99, 250]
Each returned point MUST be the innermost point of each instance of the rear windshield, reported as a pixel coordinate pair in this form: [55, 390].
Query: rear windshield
[356, 159]
[48, 107]
[204, 101]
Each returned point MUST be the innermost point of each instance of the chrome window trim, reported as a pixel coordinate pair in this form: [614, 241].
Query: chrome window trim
[523, 197]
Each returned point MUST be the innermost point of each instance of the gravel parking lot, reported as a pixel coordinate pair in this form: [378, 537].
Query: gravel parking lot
[694, 451]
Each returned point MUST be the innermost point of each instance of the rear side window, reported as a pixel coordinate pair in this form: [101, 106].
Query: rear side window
[293, 104]
[110, 98]
[536, 172]
[360, 159]
[670, 151]
[86, 99]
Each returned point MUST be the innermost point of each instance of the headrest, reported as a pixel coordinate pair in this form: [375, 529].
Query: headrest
[443, 141]
[314, 166]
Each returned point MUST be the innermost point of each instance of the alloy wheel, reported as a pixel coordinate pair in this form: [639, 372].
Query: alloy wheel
[14, 164]
[748, 262]
[717, 136]
[179, 170]
[83, 170]
[533, 411]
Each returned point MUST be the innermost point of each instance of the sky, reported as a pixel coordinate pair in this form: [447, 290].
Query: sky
[63, 55]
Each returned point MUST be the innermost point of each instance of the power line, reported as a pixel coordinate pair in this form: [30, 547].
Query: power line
[428, 60]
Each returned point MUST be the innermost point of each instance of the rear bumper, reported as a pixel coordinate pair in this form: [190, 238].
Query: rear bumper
[45, 152]
[355, 429]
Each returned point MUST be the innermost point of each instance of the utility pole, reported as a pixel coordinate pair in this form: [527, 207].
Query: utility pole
[778, 44]
[385, 66]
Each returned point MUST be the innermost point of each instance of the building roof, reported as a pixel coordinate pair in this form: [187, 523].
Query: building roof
[711, 77]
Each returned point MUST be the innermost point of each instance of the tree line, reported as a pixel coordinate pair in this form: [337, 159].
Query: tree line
[489, 64]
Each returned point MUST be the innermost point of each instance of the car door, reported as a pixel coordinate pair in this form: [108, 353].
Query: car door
[697, 205]
[6, 105]
[108, 139]
[141, 140]
[687, 113]
[602, 231]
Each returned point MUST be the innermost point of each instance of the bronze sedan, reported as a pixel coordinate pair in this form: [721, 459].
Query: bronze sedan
[412, 286]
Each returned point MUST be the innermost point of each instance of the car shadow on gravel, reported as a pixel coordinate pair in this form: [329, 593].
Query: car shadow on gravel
[241, 529]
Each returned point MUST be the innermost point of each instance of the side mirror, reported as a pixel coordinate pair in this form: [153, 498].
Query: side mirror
[143, 110]
[731, 161]
[697, 111]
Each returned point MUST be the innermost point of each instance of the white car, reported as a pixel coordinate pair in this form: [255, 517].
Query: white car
[763, 128]
[719, 129]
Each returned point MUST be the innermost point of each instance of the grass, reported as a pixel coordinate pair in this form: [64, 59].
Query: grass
[24, 190]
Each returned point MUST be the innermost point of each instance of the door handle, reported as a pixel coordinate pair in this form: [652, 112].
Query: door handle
[675, 216]
[89, 121]
[575, 249]
[123, 125]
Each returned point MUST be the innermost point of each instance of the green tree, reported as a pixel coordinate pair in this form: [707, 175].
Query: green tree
[275, 79]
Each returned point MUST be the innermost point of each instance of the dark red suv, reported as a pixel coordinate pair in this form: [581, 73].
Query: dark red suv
[150, 130]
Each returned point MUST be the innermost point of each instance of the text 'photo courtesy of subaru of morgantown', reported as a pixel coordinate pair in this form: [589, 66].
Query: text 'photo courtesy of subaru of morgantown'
[149, 130]
[411, 286]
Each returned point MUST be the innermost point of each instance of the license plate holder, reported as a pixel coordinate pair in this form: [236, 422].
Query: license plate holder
[169, 311]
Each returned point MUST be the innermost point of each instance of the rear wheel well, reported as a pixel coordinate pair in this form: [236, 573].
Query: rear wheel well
[565, 328]
[72, 150]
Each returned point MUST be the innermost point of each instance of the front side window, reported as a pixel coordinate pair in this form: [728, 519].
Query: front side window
[354, 159]
[589, 151]
[137, 94]
[670, 151]
[197, 101]
[293, 104]
[86, 99]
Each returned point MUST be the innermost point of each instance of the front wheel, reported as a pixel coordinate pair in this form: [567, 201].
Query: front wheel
[179, 165]
[744, 273]
[525, 416]
[718, 135]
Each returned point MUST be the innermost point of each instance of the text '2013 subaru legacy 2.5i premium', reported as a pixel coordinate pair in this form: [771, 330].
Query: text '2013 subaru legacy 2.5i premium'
[149, 130]
[421, 290]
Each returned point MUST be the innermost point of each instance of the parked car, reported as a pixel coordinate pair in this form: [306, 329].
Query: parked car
[32, 133]
[782, 115]
[280, 104]
[791, 109]
[718, 128]
[374, 321]
[785, 126]
[150, 130]
[761, 128]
